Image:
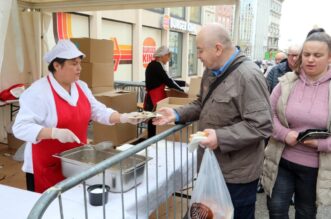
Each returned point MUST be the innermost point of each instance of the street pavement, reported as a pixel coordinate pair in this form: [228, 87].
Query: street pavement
[261, 211]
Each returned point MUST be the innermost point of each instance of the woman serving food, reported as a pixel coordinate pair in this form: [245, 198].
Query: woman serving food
[54, 115]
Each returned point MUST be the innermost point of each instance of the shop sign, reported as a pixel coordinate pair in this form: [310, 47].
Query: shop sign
[176, 24]
[149, 47]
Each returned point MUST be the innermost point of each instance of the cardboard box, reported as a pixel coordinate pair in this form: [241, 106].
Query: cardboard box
[174, 102]
[13, 142]
[170, 92]
[192, 91]
[123, 102]
[98, 74]
[96, 50]
[98, 90]
[194, 88]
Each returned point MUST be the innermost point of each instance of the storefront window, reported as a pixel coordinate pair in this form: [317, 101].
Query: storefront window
[176, 47]
[195, 15]
[192, 57]
[178, 12]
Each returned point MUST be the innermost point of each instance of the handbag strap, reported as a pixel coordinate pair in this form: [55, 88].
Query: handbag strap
[221, 78]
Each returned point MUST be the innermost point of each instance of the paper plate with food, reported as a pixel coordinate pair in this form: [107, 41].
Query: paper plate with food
[195, 139]
[144, 115]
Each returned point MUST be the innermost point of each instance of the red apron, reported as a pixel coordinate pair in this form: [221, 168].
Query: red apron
[157, 94]
[46, 168]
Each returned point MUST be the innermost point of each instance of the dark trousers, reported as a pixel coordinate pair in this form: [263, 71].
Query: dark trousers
[151, 129]
[243, 199]
[29, 181]
[297, 179]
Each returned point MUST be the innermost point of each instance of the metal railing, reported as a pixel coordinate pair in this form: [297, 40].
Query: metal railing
[177, 166]
[136, 86]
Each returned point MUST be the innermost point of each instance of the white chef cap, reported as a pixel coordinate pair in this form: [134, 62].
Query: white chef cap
[64, 49]
[161, 51]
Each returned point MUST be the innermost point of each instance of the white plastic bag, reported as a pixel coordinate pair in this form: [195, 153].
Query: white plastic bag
[210, 197]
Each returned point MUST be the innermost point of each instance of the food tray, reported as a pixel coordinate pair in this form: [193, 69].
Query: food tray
[79, 159]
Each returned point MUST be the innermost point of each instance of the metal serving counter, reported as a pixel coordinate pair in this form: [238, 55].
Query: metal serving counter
[171, 161]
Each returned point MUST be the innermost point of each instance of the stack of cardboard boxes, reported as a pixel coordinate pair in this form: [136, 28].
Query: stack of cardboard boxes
[98, 65]
[98, 73]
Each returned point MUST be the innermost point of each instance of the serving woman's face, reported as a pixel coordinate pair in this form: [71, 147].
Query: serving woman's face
[315, 58]
[165, 59]
[69, 72]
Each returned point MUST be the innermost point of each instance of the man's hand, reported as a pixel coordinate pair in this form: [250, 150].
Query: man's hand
[168, 116]
[131, 118]
[291, 138]
[64, 135]
[211, 140]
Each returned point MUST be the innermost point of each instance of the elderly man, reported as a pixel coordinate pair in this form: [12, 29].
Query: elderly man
[236, 115]
[283, 67]
[280, 56]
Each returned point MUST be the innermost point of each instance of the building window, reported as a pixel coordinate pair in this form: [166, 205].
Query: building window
[176, 47]
[178, 12]
[195, 15]
[192, 56]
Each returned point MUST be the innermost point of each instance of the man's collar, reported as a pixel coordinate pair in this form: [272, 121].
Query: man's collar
[227, 63]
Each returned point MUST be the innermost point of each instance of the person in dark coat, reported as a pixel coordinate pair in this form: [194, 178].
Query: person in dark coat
[283, 67]
[156, 80]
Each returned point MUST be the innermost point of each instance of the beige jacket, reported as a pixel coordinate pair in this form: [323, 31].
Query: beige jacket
[239, 111]
[274, 149]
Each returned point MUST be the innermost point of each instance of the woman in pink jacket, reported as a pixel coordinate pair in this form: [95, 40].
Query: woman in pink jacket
[299, 102]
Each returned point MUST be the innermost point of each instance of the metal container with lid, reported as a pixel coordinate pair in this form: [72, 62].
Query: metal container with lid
[79, 159]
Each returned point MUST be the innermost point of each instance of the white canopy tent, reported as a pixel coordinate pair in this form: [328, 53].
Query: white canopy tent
[23, 39]
[87, 5]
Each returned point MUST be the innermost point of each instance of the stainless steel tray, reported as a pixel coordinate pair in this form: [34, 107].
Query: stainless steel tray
[79, 159]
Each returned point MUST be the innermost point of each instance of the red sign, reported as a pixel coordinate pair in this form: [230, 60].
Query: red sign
[149, 47]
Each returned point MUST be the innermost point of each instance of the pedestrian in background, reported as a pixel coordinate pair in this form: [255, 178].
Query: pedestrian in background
[283, 67]
[279, 57]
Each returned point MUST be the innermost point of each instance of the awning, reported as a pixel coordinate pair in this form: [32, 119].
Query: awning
[95, 5]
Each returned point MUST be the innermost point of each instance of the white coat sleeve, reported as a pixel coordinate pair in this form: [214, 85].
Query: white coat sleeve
[31, 117]
[100, 112]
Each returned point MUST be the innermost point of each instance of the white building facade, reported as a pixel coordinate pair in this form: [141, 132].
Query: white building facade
[259, 27]
[137, 33]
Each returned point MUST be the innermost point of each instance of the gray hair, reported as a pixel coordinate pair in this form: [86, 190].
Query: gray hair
[217, 33]
[161, 51]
